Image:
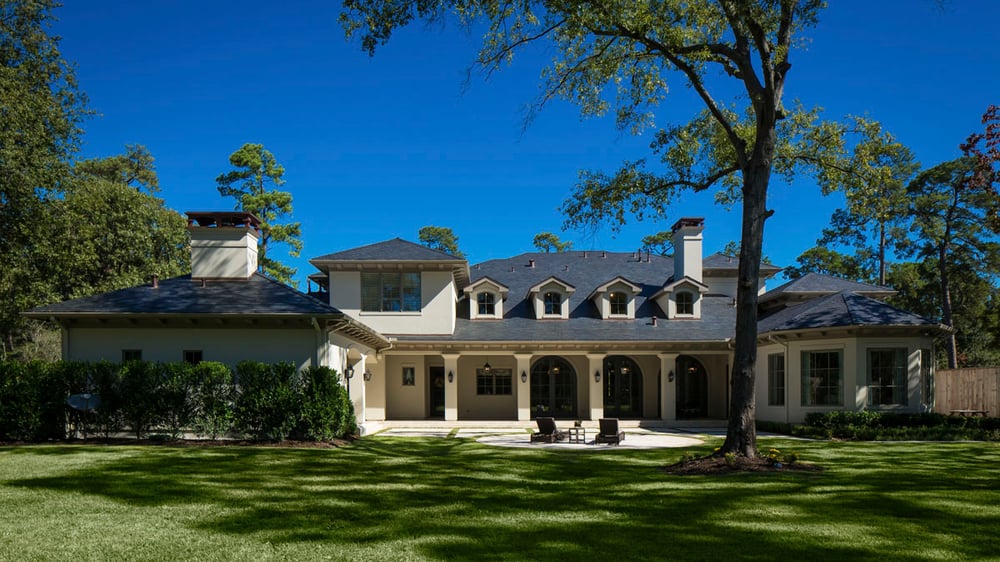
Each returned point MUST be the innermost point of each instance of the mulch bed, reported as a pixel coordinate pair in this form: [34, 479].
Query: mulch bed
[719, 466]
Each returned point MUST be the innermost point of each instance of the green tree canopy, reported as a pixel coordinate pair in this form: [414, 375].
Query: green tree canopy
[548, 242]
[254, 184]
[618, 56]
[440, 238]
[135, 168]
[41, 110]
[661, 243]
[820, 259]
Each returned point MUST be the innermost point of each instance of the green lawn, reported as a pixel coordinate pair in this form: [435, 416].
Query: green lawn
[414, 499]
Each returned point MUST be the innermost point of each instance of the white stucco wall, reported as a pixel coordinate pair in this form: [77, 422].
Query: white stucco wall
[223, 253]
[472, 406]
[226, 345]
[854, 375]
[404, 402]
[436, 316]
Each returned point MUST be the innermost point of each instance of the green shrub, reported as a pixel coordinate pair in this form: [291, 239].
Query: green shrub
[327, 412]
[141, 386]
[175, 409]
[870, 425]
[213, 396]
[267, 400]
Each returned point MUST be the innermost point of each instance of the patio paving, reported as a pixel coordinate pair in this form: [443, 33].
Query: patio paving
[635, 438]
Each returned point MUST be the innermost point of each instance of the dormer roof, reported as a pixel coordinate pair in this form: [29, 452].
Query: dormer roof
[619, 280]
[549, 280]
[500, 287]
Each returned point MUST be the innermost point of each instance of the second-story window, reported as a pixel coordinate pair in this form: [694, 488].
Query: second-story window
[390, 292]
[553, 303]
[487, 304]
[685, 303]
[619, 304]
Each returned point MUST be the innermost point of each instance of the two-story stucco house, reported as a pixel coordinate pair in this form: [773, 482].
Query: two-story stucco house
[581, 335]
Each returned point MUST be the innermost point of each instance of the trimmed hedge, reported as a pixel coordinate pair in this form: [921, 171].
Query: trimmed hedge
[867, 425]
[162, 400]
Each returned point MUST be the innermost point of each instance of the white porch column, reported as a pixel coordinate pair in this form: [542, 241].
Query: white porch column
[450, 386]
[668, 386]
[595, 364]
[523, 387]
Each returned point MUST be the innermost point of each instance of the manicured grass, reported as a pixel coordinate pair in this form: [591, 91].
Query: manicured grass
[418, 499]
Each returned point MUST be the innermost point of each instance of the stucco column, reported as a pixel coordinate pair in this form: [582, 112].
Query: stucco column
[523, 387]
[450, 386]
[668, 386]
[595, 364]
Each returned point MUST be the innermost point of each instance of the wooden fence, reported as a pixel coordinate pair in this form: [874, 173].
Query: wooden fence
[975, 388]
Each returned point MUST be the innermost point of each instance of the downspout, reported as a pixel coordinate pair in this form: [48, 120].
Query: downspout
[784, 344]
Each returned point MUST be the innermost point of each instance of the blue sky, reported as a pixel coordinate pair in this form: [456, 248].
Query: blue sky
[376, 148]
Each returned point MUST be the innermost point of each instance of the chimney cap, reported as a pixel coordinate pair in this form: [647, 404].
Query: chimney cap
[220, 219]
[698, 222]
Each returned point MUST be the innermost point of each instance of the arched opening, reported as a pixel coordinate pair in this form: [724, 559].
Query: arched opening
[553, 388]
[692, 388]
[622, 388]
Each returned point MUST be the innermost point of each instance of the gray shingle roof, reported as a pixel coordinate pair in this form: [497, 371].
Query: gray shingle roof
[839, 310]
[720, 261]
[820, 284]
[396, 249]
[258, 295]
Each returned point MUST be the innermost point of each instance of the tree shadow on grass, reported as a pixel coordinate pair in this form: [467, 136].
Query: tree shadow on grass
[453, 498]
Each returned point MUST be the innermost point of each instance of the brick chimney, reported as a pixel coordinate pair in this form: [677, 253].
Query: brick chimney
[223, 245]
[687, 248]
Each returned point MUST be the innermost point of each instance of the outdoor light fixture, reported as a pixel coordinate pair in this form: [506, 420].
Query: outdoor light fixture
[670, 376]
[349, 372]
[451, 376]
[368, 375]
[486, 368]
[524, 376]
[597, 376]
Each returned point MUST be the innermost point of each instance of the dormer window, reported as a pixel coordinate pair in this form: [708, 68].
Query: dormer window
[550, 299]
[486, 298]
[487, 304]
[553, 304]
[618, 303]
[685, 303]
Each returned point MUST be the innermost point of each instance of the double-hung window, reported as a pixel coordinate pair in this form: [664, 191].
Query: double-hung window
[390, 292]
[487, 304]
[822, 378]
[685, 303]
[553, 304]
[619, 304]
[887, 377]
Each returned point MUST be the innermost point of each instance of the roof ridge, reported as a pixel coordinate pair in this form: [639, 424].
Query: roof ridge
[297, 292]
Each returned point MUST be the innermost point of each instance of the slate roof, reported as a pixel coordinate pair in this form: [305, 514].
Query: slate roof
[258, 295]
[586, 271]
[396, 249]
[819, 284]
[720, 261]
[839, 310]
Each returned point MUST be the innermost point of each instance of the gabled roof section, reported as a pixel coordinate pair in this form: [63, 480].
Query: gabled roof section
[398, 252]
[617, 280]
[501, 288]
[670, 287]
[257, 296]
[844, 309]
[552, 279]
[727, 266]
[813, 285]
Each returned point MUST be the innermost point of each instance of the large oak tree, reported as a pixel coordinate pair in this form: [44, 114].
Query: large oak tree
[617, 55]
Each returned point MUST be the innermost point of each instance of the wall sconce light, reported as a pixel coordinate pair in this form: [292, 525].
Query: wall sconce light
[486, 368]
[349, 372]
[524, 376]
[597, 376]
[368, 375]
[670, 376]
[451, 376]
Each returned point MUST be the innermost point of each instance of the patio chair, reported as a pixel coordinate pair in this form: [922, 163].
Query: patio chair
[547, 431]
[610, 433]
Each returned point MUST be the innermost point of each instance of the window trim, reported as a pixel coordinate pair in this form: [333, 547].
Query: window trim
[498, 379]
[776, 397]
[401, 292]
[678, 303]
[804, 367]
[409, 373]
[491, 305]
[900, 388]
[556, 312]
[623, 304]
